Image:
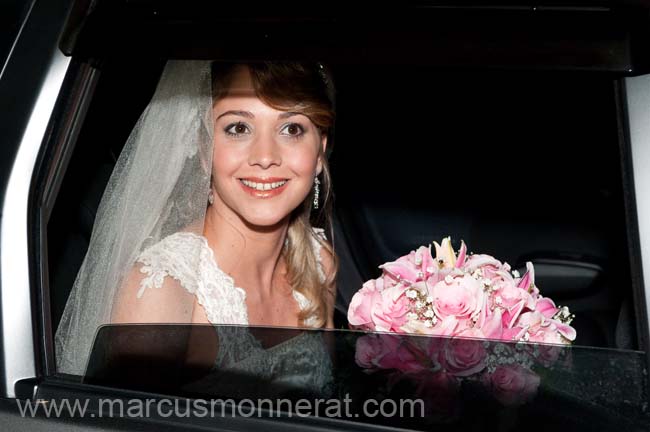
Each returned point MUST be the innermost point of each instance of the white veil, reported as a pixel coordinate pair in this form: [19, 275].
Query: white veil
[159, 186]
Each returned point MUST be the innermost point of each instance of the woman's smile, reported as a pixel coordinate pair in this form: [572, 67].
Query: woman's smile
[263, 187]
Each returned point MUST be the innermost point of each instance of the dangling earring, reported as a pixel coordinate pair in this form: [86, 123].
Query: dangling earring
[211, 197]
[316, 192]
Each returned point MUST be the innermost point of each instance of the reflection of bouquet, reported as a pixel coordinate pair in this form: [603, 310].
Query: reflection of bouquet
[439, 366]
[473, 296]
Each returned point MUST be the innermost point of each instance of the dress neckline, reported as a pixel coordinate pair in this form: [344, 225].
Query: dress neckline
[215, 264]
[300, 299]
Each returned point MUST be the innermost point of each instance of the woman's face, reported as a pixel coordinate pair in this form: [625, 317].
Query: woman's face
[264, 160]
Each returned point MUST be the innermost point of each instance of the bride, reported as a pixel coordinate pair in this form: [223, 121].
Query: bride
[207, 217]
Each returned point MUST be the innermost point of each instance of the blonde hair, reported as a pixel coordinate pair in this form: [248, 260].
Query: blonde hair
[306, 89]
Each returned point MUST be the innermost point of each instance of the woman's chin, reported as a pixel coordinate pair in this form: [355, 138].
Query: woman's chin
[261, 222]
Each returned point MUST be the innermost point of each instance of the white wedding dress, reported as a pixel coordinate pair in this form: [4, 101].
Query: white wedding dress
[299, 364]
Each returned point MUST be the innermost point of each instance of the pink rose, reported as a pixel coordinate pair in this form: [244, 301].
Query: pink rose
[390, 352]
[459, 298]
[512, 384]
[369, 351]
[379, 308]
[513, 300]
[464, 357]
[402, 355]
[362, 304]
[390, 313]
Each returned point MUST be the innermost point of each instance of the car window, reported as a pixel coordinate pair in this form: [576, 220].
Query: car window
[407, 381]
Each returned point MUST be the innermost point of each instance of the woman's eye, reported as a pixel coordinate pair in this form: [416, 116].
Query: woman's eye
[236, 129]
[293, 130]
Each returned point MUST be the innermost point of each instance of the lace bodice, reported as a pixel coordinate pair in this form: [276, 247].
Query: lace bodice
[188, 258]
[301, 363]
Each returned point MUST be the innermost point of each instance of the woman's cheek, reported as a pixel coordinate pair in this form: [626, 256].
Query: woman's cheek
[303, 161]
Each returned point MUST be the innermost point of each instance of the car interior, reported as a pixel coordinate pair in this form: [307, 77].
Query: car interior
[522, 165]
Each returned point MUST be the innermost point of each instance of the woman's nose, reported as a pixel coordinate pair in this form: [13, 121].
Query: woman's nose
[264, 152]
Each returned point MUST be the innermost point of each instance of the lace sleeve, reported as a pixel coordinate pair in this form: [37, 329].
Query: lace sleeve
[176, 256]
[171, 303]
[171, 267]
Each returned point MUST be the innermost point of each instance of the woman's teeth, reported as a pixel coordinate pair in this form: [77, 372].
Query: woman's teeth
[263, 186]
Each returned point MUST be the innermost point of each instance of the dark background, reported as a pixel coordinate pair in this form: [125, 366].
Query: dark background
[495, 125]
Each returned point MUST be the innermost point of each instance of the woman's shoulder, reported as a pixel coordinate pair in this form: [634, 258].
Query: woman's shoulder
[177, 256]
[163, 274]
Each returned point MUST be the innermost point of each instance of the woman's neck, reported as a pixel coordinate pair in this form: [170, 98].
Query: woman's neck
[249, 254]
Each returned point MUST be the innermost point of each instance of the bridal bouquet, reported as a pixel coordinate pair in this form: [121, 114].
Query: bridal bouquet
[440, 368]
[473, 296]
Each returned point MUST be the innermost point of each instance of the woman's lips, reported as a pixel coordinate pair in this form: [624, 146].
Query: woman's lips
[263, 188]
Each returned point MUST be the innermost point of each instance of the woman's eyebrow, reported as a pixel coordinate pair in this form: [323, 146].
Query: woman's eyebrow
[287, 115]
[246, 114]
